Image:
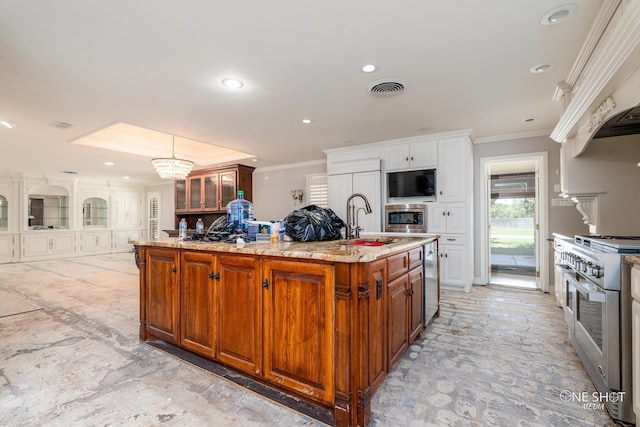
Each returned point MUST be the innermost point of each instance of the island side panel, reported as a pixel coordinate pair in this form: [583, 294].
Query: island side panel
[141, 263]
[345, 402]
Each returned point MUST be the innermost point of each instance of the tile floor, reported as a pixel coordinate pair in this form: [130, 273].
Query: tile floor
[496, 357]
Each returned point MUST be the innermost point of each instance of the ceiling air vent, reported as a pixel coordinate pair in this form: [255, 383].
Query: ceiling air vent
[387, 87]
[61, 125]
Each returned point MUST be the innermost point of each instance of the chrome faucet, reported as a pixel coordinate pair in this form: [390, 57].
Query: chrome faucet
[352, 216]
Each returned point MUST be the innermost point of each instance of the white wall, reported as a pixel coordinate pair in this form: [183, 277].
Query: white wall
[272, 188]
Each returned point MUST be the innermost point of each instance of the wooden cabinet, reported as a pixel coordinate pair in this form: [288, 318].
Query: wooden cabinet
[405, 309]
[239, 307]
[299, 328]
[416, 155]
[326, 332]
[206, 192]
[163, 294]
[397, 318]
[198, 302]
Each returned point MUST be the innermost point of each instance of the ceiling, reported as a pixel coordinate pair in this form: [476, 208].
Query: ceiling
[158, 65]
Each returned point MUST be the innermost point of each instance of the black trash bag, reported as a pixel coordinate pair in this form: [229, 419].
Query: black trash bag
[313, 223]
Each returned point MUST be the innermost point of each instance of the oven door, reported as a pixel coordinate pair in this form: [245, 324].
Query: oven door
[597, 333]
[569, 306]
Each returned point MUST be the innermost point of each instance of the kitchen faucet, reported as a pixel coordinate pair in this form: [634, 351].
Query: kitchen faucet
[352, 216]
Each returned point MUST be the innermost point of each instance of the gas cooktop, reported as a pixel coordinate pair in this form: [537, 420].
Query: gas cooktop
[604, 243]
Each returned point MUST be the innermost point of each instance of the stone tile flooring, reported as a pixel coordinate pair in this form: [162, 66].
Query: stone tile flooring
[496, 357]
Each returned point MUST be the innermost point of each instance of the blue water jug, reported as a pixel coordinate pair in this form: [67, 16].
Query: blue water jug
[239, 211]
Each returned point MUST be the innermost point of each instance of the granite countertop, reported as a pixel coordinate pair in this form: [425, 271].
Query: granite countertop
[335, 250]
[635, 259]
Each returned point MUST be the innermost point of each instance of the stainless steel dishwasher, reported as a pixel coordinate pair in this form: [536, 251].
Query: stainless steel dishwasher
[431, 294]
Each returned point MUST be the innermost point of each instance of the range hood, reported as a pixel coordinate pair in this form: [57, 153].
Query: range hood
[624, 123]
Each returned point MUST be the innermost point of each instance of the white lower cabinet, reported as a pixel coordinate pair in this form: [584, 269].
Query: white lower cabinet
[47, 245]
[8, 249]
[96, 242]
[635, 340]
[454, 263]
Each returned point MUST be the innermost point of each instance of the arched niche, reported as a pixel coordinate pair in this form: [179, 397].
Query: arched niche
[94, 212]
[48, 207]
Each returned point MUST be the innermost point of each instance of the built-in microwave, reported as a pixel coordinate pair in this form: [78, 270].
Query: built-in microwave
[405, 218]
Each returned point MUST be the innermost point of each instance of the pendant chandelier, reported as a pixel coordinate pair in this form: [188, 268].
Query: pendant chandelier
[172, 168]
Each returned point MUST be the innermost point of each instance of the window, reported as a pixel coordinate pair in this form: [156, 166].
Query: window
[153, 223]
[317, 190]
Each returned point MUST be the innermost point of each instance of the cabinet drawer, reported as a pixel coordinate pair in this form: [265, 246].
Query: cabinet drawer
[635, 283]
[397, 265]
[415, 258]
[453, 239]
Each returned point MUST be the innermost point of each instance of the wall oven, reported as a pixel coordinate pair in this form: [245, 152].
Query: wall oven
[405, 218]
[597, 309]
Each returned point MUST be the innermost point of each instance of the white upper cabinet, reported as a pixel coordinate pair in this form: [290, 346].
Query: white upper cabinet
[454, 170]
[416, 155]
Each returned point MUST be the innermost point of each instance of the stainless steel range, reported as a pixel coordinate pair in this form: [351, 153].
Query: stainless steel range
[597, 306]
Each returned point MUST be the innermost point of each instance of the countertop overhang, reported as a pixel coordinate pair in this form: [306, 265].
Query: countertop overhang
[334, 250]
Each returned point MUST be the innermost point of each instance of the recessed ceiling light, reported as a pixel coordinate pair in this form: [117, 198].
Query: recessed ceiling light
[369, 68]
[7, 124]
[541, 68]
[109, 163]
[254, 160]
[306, 121]
[126, 177]
[558, 14]
[232, 83]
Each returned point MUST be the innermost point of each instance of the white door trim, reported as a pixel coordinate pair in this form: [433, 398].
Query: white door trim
[541, 162]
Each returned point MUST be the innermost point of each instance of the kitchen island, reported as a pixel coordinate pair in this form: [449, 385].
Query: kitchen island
[323, 322]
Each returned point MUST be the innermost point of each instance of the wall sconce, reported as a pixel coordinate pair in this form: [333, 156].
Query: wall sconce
[297, 195]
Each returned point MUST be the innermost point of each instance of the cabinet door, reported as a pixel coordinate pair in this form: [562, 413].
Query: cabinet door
[377, 324]
[397, 318]
[239, 317]
[368, 184]
[340, 188]
[195, 194]
[197, 302]
[424, 154]
[210, 193]
[228, 188]
[396, 157]
[416, 302]
[7, 250]
[181, 195]
[299, 327]
[163, 294]
[437, 219]
[454, 170]
[457, 217]
[454, 259]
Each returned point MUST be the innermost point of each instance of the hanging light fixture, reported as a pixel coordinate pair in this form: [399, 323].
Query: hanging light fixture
[172, 168]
